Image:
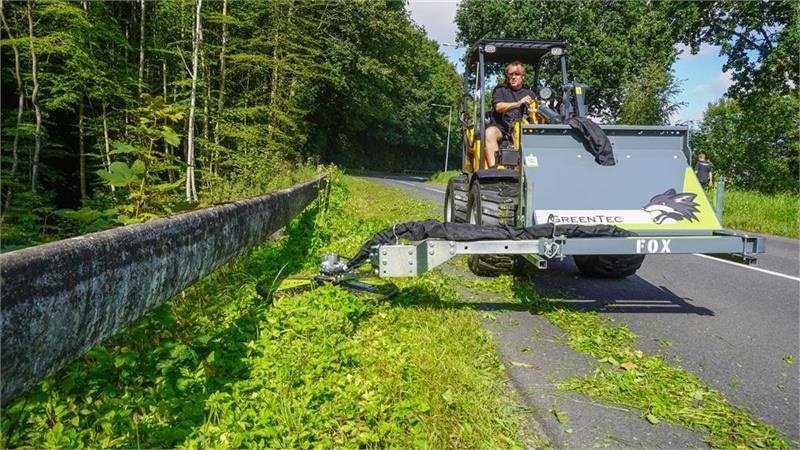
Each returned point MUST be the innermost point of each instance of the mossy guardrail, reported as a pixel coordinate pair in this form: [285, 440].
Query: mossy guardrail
[61, 299]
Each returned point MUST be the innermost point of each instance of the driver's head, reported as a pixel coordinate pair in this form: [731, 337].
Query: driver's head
[515, 73]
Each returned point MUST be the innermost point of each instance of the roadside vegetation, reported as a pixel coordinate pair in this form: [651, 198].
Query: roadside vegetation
[218, 366]
[776, 214]
[443, 177]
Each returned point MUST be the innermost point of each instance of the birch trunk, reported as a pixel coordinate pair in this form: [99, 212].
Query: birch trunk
[141, 49]
[81, 150]
[35, 101]
[197, 37]
[20, 109]
[221, 98]
[106, 143]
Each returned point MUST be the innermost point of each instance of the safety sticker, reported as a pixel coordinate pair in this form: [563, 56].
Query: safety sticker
[531, 161]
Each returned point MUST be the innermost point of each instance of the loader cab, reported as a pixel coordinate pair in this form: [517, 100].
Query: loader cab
[546, 76]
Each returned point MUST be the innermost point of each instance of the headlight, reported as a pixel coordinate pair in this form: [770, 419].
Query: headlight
[557, 51]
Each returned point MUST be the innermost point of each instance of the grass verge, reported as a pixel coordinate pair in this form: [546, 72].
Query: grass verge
[443, 177]
[776, 214]
[218, 366]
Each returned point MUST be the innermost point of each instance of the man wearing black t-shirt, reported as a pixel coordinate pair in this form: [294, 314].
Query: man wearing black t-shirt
[508, 101]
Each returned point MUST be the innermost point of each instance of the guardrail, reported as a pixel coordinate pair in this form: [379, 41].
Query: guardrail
[61, 299]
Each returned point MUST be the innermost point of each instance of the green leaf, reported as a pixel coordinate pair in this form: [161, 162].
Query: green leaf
[651, 418]
[138, 167]
[170, 136]
[121, 147]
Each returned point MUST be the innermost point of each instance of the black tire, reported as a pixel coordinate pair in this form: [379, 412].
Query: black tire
[458, 188]
[492, 203]
[608, 266]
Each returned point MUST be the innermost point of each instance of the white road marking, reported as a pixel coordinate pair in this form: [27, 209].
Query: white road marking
[757, 269]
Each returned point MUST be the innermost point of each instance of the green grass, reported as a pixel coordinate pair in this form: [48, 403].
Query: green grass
[443, 177]
[218, 366]
[776, 214]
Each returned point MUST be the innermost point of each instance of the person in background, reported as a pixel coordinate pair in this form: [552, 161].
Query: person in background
[507, 106]
[704, 171]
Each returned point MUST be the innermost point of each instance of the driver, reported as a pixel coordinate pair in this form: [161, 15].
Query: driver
[507, 107]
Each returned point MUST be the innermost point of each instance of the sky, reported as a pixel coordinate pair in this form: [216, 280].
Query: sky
[701, 77]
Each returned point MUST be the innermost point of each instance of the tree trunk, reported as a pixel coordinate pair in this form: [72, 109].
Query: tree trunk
[141, 49]
[106, 143]
[221, 98]
[20, 109]
[35, 101]
[207, 97]
[197, 37]
[82, 150]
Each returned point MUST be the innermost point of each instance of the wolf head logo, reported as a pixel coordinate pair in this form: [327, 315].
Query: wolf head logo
[671, 207]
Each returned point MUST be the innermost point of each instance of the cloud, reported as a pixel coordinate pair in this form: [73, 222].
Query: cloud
[705, 52]
[716, 88]
[436, 17]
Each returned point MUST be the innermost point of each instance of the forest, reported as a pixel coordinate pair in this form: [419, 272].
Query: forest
[117, 112]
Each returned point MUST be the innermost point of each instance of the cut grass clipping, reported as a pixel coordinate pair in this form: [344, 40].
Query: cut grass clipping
[219, 367]
[629, 377]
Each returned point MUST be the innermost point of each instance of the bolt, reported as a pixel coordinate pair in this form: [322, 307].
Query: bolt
[411, 251]
[383, 263]
[384, 253]
[410, 262]
[431, 252]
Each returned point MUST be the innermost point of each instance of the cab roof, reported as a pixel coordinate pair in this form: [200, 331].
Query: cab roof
[507, 50]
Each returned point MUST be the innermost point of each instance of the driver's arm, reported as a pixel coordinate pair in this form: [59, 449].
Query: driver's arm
[502, 107]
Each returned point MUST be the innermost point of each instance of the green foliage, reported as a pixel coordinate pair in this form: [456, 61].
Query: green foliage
[647, 97]
[217, 366]
[759, 39]
[443, 177]
[755, 145]
[610, 43]
[776, 214]
[293, 69]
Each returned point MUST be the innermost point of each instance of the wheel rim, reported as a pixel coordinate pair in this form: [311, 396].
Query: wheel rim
[473, 217]
[448, 209]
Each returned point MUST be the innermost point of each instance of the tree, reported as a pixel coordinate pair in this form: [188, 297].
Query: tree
[759, 38]
[609, 43]
[197, 38]
[647, 97]
[755, 145]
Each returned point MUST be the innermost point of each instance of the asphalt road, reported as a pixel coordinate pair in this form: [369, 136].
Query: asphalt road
[736, 327]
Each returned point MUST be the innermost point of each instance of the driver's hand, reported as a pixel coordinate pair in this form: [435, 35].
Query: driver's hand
[525, 100]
